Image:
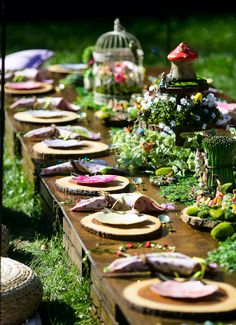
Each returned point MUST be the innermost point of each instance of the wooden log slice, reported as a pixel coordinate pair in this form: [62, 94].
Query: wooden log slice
[90, 149]
[146, 230]
[25, 117]
[57, 68]
[45, 88]
[222, 303]
[198, 223]
[64, 185]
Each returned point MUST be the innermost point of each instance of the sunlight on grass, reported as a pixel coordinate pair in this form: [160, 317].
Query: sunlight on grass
[66, 294]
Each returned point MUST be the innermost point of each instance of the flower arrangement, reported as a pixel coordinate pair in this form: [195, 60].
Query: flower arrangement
[169, 112]
[117, 78]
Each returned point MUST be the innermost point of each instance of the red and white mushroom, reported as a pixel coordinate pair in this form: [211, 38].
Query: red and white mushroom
[181, 63]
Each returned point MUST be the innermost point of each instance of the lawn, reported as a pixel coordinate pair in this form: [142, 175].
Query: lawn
[66, 294]
[214, 38]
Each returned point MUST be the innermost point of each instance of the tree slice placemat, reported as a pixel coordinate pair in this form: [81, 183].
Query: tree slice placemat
[140, 231]
[199, 223]
[44, 88]
[64, 185]
[25, 117]
[90, 149]
[58, 68]
[222, 303]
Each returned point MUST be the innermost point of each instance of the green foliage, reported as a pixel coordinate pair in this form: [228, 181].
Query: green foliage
[225, 254]
[87, 54]
[131, 154]
[181, 191]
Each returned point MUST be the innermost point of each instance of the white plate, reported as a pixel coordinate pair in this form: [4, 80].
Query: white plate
[116, 218]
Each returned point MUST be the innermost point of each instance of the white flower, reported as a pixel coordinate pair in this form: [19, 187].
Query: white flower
[138, 99]
[206, 110]
[172, 99]
[164, 97]
[213, 115]
[166, 129]
[163, 134]
[211, 100]
[172, 123]
[179, 108]
[152, 88]
[156, 100]
[183, 101]
[197, 118]
[204, 126]
[161, 125]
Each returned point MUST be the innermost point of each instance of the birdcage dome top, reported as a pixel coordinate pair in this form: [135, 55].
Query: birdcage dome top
[118, 45]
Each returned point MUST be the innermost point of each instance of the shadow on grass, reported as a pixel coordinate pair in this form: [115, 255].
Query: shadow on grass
[23, 227]
[56, 312]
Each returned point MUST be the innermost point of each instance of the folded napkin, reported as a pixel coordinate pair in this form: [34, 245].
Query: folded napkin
[168, 263]
[95, 166]
[65, 132]
[45, 102]
[120, 202]
[26, 59]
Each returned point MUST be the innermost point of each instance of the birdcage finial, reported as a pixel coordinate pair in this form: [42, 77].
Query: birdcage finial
[117, 26]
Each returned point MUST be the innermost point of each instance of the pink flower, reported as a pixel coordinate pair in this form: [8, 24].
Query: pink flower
[148, 244]
[91, 62]
[119, 77]
[130, 245]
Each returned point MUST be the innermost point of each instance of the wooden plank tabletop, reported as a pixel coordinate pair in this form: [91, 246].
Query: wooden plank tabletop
[107, 291]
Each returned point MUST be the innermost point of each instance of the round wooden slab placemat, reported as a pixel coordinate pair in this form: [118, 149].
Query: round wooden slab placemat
[140, 296]
[89, 148]
[57, 68]
[45, 87]
[25, 117]
[140, 231]
[64, 185]
[197, 222]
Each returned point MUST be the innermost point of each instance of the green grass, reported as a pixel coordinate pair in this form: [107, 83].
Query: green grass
[66, 297]
[213, 37]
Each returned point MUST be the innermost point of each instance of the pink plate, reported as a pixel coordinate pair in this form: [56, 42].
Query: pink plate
[28, 85]
[91, 180]
[189, 289]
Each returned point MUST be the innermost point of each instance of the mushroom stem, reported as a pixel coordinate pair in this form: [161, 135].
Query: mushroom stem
[182, 71]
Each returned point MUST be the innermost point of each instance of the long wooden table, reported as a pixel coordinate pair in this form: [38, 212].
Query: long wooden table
[79, 243]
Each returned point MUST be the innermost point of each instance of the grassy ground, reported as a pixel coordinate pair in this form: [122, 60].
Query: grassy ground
[66, 294]
[213, 37]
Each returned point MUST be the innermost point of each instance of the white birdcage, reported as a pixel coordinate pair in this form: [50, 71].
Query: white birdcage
[118, 68]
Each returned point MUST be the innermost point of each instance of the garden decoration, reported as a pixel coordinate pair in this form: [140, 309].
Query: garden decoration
[118, 70]
[220, 159]
[177, 103]
[216, 213]
[116, 113]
